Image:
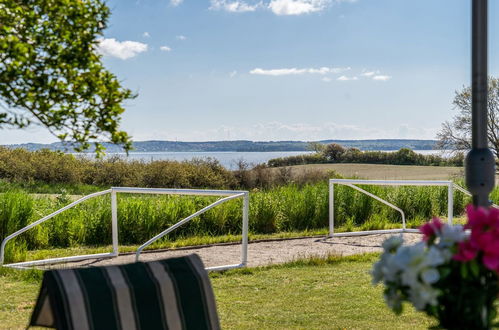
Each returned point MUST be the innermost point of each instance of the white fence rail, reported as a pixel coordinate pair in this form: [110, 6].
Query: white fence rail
[226, 194]
[451, 186]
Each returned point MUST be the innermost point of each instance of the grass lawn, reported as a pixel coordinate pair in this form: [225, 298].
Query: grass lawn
[335, 293]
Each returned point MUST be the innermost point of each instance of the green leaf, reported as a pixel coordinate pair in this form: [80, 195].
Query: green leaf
[475, 269]
[464, 270]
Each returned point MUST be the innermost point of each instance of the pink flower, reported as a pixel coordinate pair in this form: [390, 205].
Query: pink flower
[430, 229]
[466, 252]
[491, 261]
[484, 225]
[484, 237]
[476, 215]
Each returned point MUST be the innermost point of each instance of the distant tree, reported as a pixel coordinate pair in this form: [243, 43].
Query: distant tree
[351, 155]
[316, 146]
[333, 152]
[405, 156]
[51, 74]
[456, 134]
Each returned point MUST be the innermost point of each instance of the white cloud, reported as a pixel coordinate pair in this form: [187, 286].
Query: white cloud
[165, 48]
[234, 6]
[375, 75]
[175, 3]
[146, 35]
[345, 78]
[120, 49]
[278, 7]
[297, 7]
[382, 77]
[263, 131]
[296, 71]
[181, 37]
[323, 71]
[369, 73]
[272, 131]
[233, 74]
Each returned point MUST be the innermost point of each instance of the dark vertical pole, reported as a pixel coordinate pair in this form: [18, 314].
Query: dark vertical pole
[480, 163]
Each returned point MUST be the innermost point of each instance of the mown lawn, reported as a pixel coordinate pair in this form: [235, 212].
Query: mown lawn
[386, 172]
[309, 294]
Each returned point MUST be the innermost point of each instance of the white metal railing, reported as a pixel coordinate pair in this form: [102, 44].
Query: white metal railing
[352, 184]
[227, 194]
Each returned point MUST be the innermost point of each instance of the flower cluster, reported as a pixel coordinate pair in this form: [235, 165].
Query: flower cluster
[409, 271]
[484, 237]
[452, 274]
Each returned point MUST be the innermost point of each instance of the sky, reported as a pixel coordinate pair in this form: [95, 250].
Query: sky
[287, 69]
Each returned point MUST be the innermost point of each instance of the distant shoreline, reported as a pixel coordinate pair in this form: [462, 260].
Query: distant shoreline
[228, 159]
[244, 145]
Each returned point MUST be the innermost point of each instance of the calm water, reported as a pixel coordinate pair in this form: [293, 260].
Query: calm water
[227, 159]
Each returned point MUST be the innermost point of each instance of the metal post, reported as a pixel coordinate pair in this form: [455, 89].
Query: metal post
[244, 259]
[331, 208]
[480, 163]
[450, 203]
[114, 221]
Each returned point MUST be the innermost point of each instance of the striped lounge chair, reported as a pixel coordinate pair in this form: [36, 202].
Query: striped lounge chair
[167, 294]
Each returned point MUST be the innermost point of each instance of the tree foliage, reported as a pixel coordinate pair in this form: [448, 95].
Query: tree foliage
[52, 75]
[333, 152]
[316, 147]
[456, 134]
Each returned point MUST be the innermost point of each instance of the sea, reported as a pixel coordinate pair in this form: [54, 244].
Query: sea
[228, 159]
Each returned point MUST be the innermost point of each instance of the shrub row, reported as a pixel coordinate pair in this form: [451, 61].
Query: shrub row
[19, 165]
[38, 168]
[338, 154]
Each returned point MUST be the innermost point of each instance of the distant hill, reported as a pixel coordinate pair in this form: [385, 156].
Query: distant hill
[243, 145]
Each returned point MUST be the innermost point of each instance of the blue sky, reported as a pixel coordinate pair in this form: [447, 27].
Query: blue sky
[288, 69]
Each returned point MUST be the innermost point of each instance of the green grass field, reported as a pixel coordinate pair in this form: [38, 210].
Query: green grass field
[333, 293]
[386, 172]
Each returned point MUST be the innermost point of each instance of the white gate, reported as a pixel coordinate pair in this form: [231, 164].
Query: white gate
[226, 194]
[352, 183]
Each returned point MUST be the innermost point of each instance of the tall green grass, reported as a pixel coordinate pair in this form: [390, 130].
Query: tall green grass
[281, 209]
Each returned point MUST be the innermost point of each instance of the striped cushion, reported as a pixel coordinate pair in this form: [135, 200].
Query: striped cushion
[168, 294]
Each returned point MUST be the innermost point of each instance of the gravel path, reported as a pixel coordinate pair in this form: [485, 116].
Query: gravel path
[265, 253]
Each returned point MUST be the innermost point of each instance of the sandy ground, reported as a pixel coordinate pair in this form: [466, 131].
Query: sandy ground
[264, 253]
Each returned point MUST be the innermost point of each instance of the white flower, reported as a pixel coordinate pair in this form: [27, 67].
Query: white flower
[409, 272]
[451, 235]
[430, 275]
[422, 295]
[409, 255]
[415, 260]
[434, 257]
[390, 269]
[393, 243]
